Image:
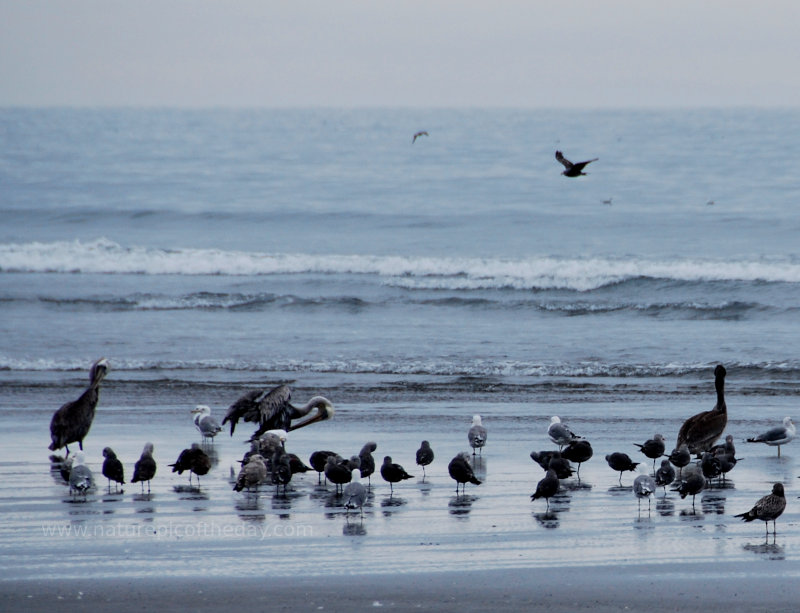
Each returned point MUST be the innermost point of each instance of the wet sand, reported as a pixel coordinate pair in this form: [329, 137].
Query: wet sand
[422, 547]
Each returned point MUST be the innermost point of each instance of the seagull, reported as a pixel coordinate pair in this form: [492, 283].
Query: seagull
[777, 436]
[112, 468]
[477, 434]
[424, 456]
[680, 457]
[252, 474]
[81, 479]
[460, 470]
[620, 462]
[367, 461]
[355, 494]
[553, 460]
[559, 433]
[318, 459]
[195, 460]
[393, 473]
[338, 471]
[652, 448]
[71, 422]
[701, 430]
[693, 484]
[205, 424]
[145, 467]
[579, 452]
[272, 409]
[665, 475]
[573, 170]
[547, 487]
[643, 486]
[417, 135]
[767, 509]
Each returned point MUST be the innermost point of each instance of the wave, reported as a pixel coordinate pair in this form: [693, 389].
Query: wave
[407, 272]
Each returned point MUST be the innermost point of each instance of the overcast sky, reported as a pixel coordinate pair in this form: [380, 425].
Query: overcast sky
[262, 53]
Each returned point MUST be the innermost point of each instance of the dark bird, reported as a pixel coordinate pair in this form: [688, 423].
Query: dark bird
[680, 457]
[367, 461]
[727, 447]
[318, 459]
[424, 456]
[281, 466]
[273, 411]
[393, 473]
[81, 479]
[573, 170]
[195, 460]
[297, 465]
[727, 462]
[559, 433]
[417, 135]
[206, 425]
[767, 509]
[112, 468]
[777, 436]
[620, 462]
[553, 460]
[578, 451]
[665, 475]
[145, 467]
[547, 487]
[355, 494]
[477, 434]
[338, 471]
[252, 474]
[71, 423]
[460, 470]
[700, 431]
[653, 448]
[710, 466]
[692, 485]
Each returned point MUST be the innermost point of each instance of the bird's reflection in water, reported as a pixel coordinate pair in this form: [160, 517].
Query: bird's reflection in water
[320, 493]
[354, 528]
[479, 466]
[560, 502]
[713, 502]
[665, 507]
[192, 492]
[425, 488]
[211, 452]
[620, 490]
[248, 502]
[460, 506]
[548, 519]
[691, 514]
[643, 523]
[391, 503]
[768, 550]
[282, 504]
[575, 486]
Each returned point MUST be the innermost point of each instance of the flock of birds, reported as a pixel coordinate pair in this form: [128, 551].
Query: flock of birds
[267, 461]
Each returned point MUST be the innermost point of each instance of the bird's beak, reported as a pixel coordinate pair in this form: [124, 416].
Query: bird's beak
[324, 411]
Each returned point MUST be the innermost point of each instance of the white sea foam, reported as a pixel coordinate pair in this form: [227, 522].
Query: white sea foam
[580, 273]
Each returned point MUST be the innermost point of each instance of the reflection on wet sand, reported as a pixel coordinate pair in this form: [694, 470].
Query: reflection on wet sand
[460, 506]
[548, 519]
[768, 550]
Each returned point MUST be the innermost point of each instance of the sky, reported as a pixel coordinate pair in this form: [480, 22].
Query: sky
[409, 53]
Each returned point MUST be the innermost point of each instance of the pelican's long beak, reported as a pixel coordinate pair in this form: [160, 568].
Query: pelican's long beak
[324, 411]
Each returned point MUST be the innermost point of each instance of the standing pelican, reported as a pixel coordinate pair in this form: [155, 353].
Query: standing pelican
[81, 479]
[145, 467]
[701, 430]
[71, 423]
[272, 410]
[112, 468]
[355, 494]
[205, 424]
[777, 436]
[477, 434]
[195, 460]
[460, 470]
[767, 509]
[424, 456]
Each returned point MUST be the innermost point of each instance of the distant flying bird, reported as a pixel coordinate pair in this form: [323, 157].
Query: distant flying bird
[777, 436]
[71, 423]
[768, 508]
[700, 431]
[272, 410]
[205, 424]
[573, 170]
[417, 135]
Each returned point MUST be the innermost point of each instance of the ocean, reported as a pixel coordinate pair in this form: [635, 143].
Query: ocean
[207, 253]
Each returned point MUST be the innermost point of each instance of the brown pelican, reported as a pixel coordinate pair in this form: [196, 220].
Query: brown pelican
[573, 170]
[767, 509]
[460, 470]
[145, 467]
[195, 460]
[777, 436]
[81, 479]
[112, 468]
[272, 410]
[477, 434]
[417, 135]
[700, 431]
[393, 473]
[205, 424]
[424, 456]
[71, 423]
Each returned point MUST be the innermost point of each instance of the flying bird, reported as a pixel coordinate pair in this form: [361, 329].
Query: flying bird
[71, 422]
[767, 509]
[573, 170]
[417, 135]
[777, 436]
[272, 410]
[701, 430]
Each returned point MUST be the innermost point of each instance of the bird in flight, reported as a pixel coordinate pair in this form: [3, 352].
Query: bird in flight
[573, 170]
[417, 135]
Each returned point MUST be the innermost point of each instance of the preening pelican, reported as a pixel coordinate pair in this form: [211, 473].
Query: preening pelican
[272, 410]
[71, 423]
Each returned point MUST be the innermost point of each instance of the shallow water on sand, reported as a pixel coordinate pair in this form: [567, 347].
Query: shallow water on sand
[422, 526]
